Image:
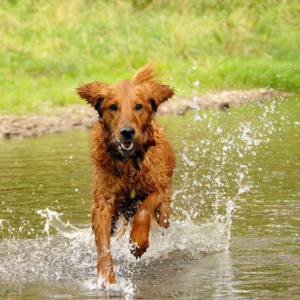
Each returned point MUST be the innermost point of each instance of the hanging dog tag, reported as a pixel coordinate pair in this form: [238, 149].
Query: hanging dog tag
[132, 193]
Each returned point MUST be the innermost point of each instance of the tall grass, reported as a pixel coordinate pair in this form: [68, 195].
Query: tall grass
[49, 47]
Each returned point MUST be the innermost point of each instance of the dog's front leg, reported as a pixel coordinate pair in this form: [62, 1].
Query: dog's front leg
[141, 225]
[102, 217]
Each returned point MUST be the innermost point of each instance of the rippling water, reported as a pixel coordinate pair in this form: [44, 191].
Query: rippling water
[236, 213]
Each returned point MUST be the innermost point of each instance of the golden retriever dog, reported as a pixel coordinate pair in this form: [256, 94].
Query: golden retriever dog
[133, 162]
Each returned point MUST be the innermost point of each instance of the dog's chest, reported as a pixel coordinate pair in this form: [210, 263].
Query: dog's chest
[127, 204]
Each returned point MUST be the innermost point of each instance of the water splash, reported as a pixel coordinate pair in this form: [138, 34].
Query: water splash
[215, 160]
[65, 229]
[123, 286]
[71, 254]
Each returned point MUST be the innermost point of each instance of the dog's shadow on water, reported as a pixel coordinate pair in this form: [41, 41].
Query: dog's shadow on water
[65, 264]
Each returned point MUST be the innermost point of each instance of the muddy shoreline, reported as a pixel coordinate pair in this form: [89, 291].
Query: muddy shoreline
[82, 116]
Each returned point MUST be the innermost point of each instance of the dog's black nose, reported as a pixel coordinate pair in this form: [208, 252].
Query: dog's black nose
[127, 132]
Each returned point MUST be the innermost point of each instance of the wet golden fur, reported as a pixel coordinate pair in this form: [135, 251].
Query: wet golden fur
[135, 183]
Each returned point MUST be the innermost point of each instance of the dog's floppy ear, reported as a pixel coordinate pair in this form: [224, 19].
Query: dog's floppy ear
[93, 93]
[158, 93]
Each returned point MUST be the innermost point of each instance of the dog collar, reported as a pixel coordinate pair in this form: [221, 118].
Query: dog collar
[151, 143]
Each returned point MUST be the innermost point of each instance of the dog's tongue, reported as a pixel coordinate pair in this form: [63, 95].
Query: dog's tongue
[127, 144]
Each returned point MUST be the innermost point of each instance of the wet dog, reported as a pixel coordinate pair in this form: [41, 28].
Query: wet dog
[133, 162]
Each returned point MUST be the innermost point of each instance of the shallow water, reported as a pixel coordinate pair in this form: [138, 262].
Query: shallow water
[235, 225]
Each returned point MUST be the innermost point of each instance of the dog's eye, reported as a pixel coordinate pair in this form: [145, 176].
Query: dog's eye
[139, 107]
[113, 107]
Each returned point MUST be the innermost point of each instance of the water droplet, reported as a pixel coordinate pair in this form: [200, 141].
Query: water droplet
[219, 130]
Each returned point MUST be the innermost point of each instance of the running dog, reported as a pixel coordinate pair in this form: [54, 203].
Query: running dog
[133, 162]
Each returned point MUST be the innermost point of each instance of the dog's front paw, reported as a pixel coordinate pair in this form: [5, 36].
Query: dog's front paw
[105, 269]
[105, 277]
[140, 232]
[138, 248]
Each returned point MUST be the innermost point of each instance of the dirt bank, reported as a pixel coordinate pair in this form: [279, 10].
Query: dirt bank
[221, 100]
[77, 116]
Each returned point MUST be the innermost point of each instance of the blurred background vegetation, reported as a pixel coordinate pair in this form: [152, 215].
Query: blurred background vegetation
[48, 47]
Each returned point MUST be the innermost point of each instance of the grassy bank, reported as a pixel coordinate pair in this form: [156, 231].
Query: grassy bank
[49, 47]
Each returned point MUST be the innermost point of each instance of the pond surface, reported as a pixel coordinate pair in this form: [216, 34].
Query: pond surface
[236, 213]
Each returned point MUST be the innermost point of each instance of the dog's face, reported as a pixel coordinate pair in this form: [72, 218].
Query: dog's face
[125, 108]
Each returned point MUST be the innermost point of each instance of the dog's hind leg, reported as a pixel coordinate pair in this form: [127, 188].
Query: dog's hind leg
[163, 212]
[122, 230]
[141, 224]
[102, 212]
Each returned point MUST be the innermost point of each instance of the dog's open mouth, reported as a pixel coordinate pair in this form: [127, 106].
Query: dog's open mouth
[127, 146]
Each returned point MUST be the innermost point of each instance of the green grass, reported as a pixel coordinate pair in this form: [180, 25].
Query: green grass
[49, 47]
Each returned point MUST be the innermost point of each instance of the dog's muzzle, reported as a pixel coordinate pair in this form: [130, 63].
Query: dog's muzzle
[127, 143]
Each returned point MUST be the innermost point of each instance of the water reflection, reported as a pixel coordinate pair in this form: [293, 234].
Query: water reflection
[49, 172]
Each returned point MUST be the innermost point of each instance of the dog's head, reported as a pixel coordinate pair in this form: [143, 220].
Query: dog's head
[126, 107]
